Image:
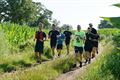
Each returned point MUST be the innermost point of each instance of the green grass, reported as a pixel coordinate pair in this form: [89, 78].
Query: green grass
[47, 71]
[18, 55]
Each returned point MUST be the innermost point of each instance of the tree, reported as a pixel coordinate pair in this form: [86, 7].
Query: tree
[43, 15]
[56, 22]
[17, 11]
[104, 24]
[65, 26]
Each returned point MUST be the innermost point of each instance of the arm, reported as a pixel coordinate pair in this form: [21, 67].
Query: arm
[35, 36]
[49, 34]
[44, 37]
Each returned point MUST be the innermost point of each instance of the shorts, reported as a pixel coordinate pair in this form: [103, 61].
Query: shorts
[88, 47]
[78, 49]
[95, 44]
[39, 47]
[67, 42]
[59, 46]
[53, 44]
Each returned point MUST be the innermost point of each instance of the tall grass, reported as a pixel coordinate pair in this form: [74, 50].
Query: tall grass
[47, 71]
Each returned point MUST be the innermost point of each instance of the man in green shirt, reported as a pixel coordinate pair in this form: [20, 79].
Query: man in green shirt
[78, 45]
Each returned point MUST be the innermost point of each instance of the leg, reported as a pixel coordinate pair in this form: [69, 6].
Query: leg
[76, 57]
[93, 52]
[37, 57]
[53, 51]
[81, 54]
[59, 52]
[80, 59]
[86, 56]
[89, 57]
[40, 57]
[67, 49]
[53, 45]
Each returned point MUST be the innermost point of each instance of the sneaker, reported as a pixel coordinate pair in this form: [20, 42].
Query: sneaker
[38, 61]
[80, 64]
[93, 56]
[86, 61]
[97, 52]
[74, 65]
[89, 61]
[59, 55]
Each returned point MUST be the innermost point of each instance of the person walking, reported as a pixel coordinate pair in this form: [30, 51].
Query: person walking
[53, 38]
[40, 37]
[68, 35]
[79, 45]
[60, 40]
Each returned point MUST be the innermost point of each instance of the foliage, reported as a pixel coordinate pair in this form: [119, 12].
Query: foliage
[113, 20]
[65, 26]
[17, 11]
[104, 24]
[24, 12]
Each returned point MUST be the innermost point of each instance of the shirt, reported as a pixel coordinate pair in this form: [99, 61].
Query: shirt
[60, 38]
[53, 35]
[67, 35]
[79, 39]
[39, 35]
[94, 31]
[88, 39]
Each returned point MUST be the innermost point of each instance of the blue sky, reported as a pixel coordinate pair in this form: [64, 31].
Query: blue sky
[81, 12]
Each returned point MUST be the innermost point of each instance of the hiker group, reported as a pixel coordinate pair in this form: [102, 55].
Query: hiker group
[85, 43]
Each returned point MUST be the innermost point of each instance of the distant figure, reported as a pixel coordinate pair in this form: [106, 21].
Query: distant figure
[53, 38]
[67, 38]
[78, 45]
[94, 41]
[60, 40]
[40, 36]
[88, 45]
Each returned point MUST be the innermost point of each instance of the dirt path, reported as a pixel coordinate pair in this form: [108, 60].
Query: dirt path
[72, 75]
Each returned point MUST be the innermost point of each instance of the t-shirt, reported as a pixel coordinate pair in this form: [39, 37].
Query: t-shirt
[88, 39]
[67, 35]
[53, 35]
[39, 35]
[79, 39]
[94, 31]
[60, 38]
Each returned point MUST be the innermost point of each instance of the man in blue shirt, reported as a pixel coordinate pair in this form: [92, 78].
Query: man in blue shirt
[60, 40]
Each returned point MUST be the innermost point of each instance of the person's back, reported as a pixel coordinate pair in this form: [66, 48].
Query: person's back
[94, 31]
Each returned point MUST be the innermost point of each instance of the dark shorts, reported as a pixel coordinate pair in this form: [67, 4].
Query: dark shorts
[53, 44]
[59, 46]
[67, 42]
[88, 47]
[78, 49]
[39, 47]
[95, 44]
